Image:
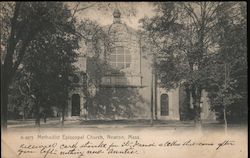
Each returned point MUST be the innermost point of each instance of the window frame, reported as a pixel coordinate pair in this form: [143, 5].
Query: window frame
[120, 59]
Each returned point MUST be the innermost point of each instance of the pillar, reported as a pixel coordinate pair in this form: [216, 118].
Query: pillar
[81, 105]
[69, 106]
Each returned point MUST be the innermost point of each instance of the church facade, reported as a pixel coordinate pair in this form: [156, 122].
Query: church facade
[126, 87]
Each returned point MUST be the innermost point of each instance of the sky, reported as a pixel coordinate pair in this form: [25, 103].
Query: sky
[104, 16]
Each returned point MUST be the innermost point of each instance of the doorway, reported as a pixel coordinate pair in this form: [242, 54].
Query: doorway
[164, 105]
[75, 100]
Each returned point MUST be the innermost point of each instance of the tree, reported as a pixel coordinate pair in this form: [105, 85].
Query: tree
[182, 34]
[28, 30]
[51, 65]
[127, 8]
[229, 94]
[21, 97]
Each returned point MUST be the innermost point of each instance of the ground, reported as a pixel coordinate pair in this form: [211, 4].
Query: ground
[169, 124]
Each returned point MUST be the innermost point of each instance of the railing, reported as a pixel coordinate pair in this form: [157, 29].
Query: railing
[121, 81]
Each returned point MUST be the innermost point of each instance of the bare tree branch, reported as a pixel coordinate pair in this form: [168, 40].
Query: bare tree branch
[83, 8]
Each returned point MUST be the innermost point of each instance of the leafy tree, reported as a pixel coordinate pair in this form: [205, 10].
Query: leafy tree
[21, 96]
[229, 93]
[39, 35]
[185, 38]
[51, 65]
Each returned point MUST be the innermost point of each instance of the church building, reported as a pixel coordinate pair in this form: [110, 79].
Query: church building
[126, 87]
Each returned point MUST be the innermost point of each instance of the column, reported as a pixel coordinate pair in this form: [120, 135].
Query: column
[69, 106]
[81, 105]
[177, 106]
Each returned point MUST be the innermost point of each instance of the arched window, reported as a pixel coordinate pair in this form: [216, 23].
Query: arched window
[120, 58]
[75, 100]
[164, 105]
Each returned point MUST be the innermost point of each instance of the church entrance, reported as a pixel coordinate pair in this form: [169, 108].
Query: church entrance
[75, 105]
[164, 105]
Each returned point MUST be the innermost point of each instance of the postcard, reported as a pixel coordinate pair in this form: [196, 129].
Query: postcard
[124, 79]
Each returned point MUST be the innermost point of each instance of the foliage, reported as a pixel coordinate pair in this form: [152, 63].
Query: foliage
[191, 39]
[231, 64]
[41, 41]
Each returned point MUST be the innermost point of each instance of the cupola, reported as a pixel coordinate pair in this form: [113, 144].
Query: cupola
[117, 16]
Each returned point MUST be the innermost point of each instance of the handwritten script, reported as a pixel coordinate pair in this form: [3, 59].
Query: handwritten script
[83, 148]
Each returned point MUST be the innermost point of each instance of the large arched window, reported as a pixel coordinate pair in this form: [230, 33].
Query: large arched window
[120, 58]
[164, 105]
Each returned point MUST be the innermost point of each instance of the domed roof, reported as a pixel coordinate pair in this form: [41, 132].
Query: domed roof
[118, 27]
[118, 31]
[117, 13]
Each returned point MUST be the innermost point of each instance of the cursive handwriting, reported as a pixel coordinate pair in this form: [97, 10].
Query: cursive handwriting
[127, 147]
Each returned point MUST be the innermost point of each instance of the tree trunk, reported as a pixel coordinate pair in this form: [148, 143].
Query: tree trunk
[196, 94]
[7, 69]
[224, 107]
[37, 120]
[197, 113]
[152, 99]
[4, 105]
[63, 115]
[225, 118]
[24, 113]
[155, 91]
[37, 113]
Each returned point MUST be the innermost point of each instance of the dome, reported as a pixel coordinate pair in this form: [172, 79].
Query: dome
[117, 13]
[117, 16]
[118, 32]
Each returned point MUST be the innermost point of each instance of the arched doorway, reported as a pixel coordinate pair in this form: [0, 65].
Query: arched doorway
[164, 105]
[75, 102]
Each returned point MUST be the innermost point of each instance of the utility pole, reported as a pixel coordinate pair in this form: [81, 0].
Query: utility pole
[155, 88]
[152, 98]
[153, 92]
[224, 104]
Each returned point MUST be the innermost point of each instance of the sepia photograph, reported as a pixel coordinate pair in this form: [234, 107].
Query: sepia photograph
[124, 79]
